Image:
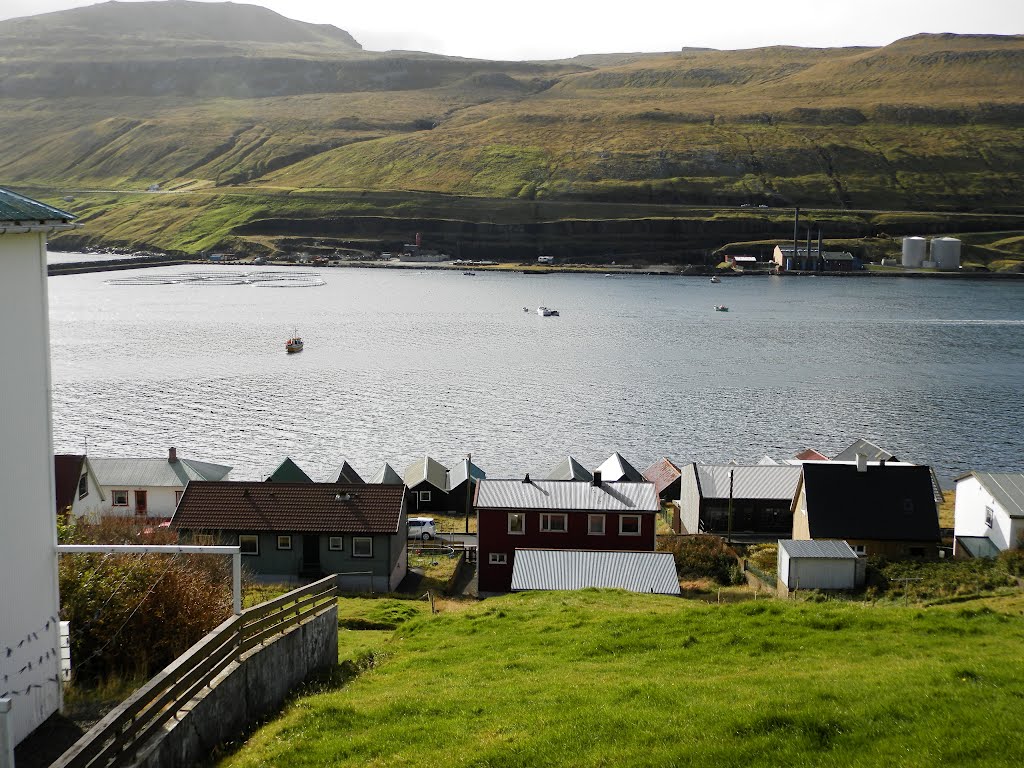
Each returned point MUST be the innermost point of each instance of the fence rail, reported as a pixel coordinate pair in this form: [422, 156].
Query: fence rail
[115, 739]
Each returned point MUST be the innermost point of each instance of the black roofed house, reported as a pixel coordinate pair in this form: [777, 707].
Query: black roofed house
[386, 475]
[291, 531]
[427, 478]
[760, 498]
[873, 453]
[879, 509]
[570, 468]
[616, 469]
[463, 479]
[289, 472]
[346, 473]
[665, 475]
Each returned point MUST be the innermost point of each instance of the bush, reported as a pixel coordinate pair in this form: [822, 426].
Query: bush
[701, 556]
[764, 557]
[1012, 561]
[133, 614]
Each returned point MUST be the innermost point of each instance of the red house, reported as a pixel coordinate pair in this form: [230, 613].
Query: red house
[559, 514]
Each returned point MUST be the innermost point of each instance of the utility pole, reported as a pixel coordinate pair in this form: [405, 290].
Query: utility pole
[469, 486]
[728, 535]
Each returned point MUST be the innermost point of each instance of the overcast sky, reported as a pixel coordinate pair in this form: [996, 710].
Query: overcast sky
[534, 29]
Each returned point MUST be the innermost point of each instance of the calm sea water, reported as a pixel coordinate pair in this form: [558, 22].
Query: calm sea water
[402, 363]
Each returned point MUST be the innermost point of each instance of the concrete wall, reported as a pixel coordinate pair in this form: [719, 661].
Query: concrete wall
[29, 603]
[245, 693]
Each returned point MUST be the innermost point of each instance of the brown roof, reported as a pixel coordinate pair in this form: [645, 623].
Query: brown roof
[67, 469]
[809, 454]
[662, 473]
[298, 507]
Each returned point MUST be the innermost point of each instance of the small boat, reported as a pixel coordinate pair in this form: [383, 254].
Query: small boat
[545, 312]
[294, 344]
[526, 309]
[715, 279]
[721, 308]
[471, 274]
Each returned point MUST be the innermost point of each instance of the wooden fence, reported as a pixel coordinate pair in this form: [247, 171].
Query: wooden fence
[115, 740]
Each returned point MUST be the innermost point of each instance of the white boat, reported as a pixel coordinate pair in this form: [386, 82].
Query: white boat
[545, 312]
[715, 279]
[721, 308]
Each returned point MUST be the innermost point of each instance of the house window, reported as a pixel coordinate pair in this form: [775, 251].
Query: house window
[424, 496]
[908, 506]
[335, 543]
[249, 543]
[119, 498]
[629, 525]
[141, 507]
[917, 551]
[516, 522]
[362, 546]
[83, 486]
[497, 558]
[988, 516]
[177, 497]
[859, 549]
[284, 542]
[553, 522]
[595, 525]
[203, 539]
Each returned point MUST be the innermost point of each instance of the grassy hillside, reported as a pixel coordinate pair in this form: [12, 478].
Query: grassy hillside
[602, 678]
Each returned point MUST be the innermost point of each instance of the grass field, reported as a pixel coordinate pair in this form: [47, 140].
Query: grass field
[613, 679]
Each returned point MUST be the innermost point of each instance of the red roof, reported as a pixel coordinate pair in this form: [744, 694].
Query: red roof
[809, 454]
[67, 469]
[299, 507]
[662, 473]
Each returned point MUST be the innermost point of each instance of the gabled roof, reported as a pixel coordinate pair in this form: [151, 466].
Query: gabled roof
[67, 471]
[823, 549]
[761, 481]
[114, 473]
[386, 475]
[568, 495]
[617, 468]
[427, 470]
[860, 445]
[290, 507]
[645, 572]
[809, 454]
[18, 209]
[570, 469]
[289, 472]
[884, 503]
[662, 473]
[457, 474]
[346, 473]
[1007, 488]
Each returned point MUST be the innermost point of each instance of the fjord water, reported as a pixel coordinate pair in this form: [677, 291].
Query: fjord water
[399, 363]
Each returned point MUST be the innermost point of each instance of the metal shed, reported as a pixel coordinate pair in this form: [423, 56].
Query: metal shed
[565, 569]
[819, 564]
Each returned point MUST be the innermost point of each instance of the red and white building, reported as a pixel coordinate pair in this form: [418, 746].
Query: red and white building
[559, 514]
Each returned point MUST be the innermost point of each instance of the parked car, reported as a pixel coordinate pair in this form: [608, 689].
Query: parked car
[422, 528]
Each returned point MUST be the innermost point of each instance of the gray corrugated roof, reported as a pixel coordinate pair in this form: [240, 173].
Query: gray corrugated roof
[860, 445]
[427, 470]
[386, 475]
[567, 494]
[763, 481]
[570, 469]
[617, 468]
[644, 572]
[154, 472]
[457, 474]
[831, 549]
[1007, 488]
[18, 208]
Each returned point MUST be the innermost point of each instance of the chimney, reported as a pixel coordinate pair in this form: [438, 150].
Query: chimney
[862, 462]
[597, 478]
[527, 478]
[172, 455]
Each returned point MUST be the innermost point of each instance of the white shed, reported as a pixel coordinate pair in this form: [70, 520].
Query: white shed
[29, 603]
[819, 564]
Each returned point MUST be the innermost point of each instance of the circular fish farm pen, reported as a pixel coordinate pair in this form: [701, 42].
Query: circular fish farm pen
[260, 279]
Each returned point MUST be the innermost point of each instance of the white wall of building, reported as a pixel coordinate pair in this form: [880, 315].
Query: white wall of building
[29, 602]
[160, 500]
[970, 512]
[90, 505]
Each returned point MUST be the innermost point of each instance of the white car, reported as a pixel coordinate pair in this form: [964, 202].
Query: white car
[422, 528]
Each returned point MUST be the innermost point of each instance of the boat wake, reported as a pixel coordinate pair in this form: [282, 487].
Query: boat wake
[260, 279]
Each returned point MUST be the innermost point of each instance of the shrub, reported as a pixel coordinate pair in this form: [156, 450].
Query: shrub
[764, 557]
[1012, 560]
[701, 556]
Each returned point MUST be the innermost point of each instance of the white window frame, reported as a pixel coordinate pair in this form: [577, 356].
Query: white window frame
[859, 549]
[177, 497]
[83, 486]
[547, 517]
[522, 518]
[497, 558]
[990, 517]
[284, 541]
[113, 499]
[253, 537]
[356, 541]
[424, 497]
[590, 527]
[639, 525]
[336, 544]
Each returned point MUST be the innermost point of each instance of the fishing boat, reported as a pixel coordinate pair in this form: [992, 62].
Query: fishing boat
[721, 308]
[545, 312]
[294, 344]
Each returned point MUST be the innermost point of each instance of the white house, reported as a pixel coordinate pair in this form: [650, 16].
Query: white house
[149, 487]
[78, 490]
[989, 513]
[29, 600]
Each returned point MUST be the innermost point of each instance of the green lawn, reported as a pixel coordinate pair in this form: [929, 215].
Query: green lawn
[599, 678]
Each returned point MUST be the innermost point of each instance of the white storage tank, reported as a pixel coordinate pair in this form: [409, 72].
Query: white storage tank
[946, 252]
[914, 251]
